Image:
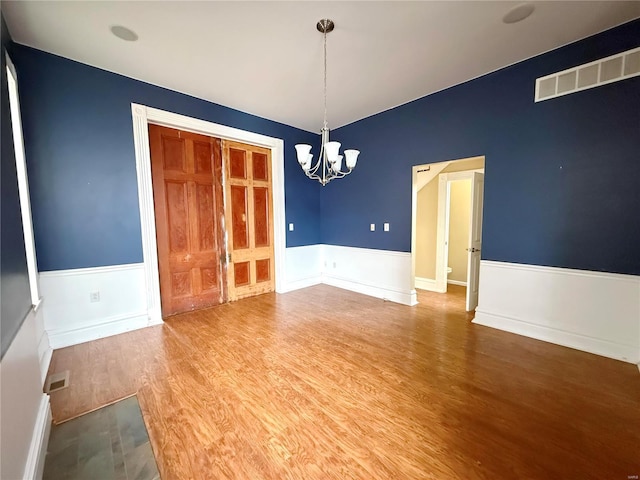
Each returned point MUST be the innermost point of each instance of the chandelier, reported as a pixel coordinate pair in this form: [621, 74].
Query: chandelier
[329, 164]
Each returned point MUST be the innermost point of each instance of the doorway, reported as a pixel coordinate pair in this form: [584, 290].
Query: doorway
[447, 200]
[142, 116]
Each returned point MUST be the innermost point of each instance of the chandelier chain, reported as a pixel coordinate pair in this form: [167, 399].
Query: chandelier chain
[325, 78]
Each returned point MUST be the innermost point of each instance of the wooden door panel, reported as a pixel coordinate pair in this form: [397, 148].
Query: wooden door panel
[181, 283]
[242, 273]
[261, 216]
[263, 270]
[250, 208]
[209, 279]
[187, 188]
[204, 207]
[202, 157]
[239, 217]
[260, 166]
[176, 205]
[174, 157]
[237, 163]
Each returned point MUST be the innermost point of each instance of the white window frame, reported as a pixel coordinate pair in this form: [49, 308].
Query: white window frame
[23, 183]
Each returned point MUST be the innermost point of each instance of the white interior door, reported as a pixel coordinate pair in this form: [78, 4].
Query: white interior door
[475, 240]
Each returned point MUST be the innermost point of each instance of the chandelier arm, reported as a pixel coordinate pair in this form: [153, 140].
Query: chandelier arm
[314, 169]
[341, 174]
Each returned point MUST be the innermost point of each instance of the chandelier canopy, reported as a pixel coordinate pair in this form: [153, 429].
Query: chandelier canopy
[329, 163]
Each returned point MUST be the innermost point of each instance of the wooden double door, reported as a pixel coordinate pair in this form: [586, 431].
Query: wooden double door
[215, 238]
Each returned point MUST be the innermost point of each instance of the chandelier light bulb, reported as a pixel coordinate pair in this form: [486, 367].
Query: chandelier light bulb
[351, 158]
[337, 165]
[303, 151]
[332, 149]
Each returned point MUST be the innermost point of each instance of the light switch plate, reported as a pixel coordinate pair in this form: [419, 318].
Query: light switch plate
[386, 227]
[291, 227]
[373, 227]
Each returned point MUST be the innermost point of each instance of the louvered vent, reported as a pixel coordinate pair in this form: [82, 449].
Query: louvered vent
[603, 71]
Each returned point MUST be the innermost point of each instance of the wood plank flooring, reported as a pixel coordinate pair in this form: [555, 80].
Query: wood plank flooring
[323, 383]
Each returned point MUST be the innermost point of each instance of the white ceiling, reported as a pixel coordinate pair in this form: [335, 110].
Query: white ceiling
[265, 57]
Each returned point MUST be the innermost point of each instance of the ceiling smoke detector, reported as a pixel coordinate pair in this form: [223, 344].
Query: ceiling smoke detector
[124, 33]
[519, 13]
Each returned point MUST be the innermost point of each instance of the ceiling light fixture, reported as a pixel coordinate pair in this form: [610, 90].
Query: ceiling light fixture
[124, 33]
[519, 13]
[329, 165]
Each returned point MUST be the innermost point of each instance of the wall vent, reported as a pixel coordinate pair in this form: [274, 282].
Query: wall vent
[606, 70]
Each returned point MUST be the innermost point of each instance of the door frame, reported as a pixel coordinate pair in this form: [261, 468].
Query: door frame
[439, 284]
[142, 116]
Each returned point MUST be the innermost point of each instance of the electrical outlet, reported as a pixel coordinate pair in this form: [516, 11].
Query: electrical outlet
[334, 264]
[291, 227]
[94, 297]
[373, 227]
[386, 227]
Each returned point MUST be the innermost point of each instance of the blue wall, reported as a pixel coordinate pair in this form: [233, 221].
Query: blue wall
[80, 155]
[562, 176]
[15, 295]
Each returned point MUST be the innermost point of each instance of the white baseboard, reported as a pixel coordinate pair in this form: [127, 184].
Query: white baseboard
[594, 312]
[427, 284]
[39, 441]
[430, 284]
[302, 283]
[405, 298]
[107, 327]
[553, 335]
[378, 273]
[303, 267]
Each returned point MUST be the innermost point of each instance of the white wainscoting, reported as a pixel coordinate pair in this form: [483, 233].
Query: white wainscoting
[303, 267]
[378, 273]
[591, 311]
[26, 417]
[71, 318]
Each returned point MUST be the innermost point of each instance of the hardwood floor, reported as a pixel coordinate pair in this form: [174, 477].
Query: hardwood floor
[323, 383]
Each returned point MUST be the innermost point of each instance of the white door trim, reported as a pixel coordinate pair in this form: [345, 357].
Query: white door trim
[444, 209]
[142, 116]
[442, 233]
